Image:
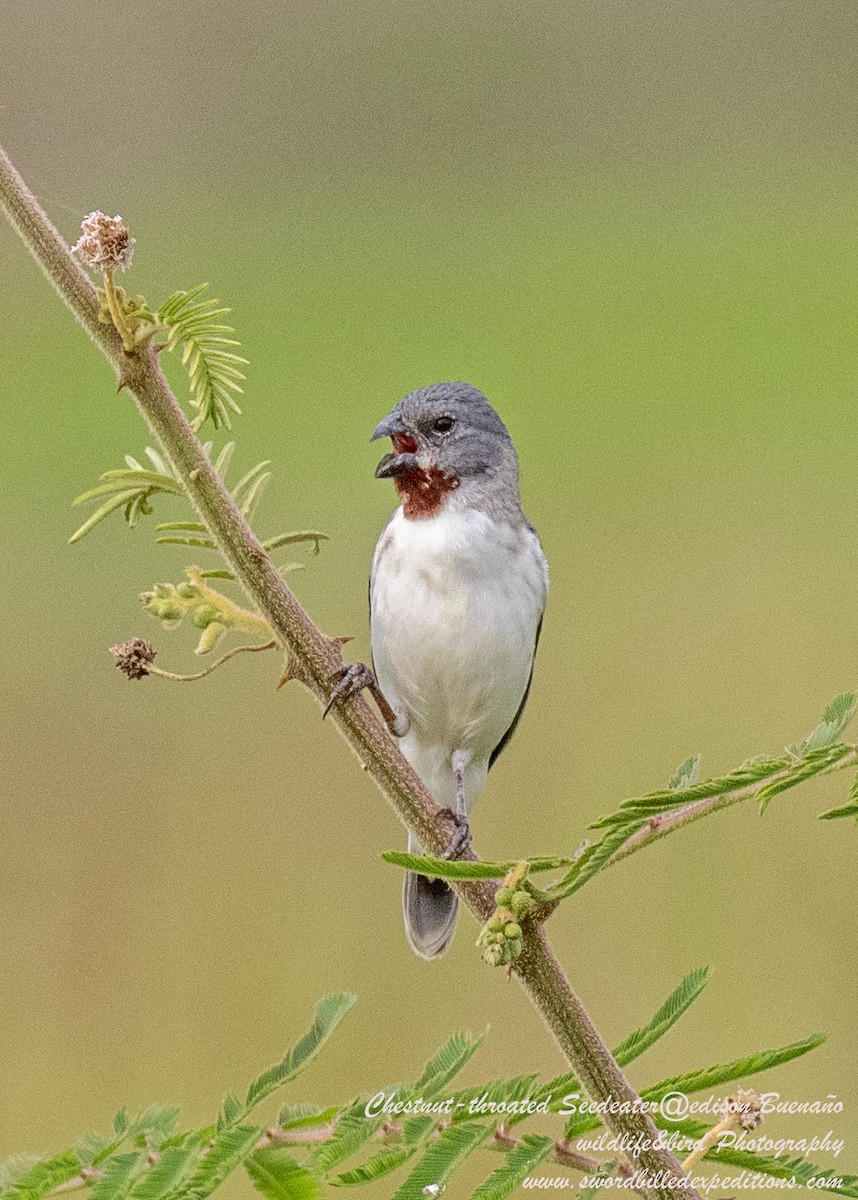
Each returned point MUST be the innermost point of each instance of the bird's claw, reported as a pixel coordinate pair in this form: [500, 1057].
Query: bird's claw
[461, 839]
[351, 679]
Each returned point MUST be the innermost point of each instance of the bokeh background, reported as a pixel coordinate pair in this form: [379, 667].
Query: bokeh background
[632, 225]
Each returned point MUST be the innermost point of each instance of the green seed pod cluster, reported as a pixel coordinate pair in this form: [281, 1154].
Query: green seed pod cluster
[500, 939]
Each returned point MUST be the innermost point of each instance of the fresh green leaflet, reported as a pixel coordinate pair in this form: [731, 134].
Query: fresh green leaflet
[711, 1077]
[835, 719]
[329, 1013]
[391, 1157]
[195, 327]
[227, 1150]
[132, 487]
[520, 1161]
[354, 1129]
[763, 778]
[686, 774]
[305, 1116]
[439, 1162]
[120, 1172]
[678, 1002]
[167, 1174]
[43, 1176]
[279, 1177]
[144, 1158]
[444, 1066]
[443, 868]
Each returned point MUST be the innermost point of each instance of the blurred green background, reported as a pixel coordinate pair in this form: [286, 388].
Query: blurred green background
[632, 225]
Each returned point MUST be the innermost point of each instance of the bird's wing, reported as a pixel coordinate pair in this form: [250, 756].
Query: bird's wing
[504, 742]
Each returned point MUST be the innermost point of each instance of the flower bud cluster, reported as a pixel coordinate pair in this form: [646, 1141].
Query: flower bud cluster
[500, 937]
[171, 604]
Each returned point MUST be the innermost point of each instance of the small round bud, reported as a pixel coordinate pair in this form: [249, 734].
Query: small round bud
[492, 955]
[494, 925]
[204, 616]
[503, 896]
[187, 591]
[167, 610]
[512, 931]
[514, 949]
[521, 903]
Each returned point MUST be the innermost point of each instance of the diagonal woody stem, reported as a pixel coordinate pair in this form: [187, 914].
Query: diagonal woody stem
[312, 657]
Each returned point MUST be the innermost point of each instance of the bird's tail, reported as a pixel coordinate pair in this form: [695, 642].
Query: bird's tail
[430, 908]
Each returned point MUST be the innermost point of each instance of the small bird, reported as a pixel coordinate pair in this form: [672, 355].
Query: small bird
[457, 593]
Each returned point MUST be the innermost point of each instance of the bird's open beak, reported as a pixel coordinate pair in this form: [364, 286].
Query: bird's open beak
[404, 456]
[392, 424]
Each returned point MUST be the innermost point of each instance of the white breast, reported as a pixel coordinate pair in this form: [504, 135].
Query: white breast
[456, 600]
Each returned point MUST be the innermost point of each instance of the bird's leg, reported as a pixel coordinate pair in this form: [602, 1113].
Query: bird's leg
[353, 678]
[461, 839]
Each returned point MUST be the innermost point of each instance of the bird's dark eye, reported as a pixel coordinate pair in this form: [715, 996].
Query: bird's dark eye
[444, 424]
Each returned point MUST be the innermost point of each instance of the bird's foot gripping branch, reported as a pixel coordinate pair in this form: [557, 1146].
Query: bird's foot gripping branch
[133, 337]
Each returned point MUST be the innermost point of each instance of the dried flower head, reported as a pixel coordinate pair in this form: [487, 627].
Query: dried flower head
[745, 1107]
[104, 243]
[133, 657]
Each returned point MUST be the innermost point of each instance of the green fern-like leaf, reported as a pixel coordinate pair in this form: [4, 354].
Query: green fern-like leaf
[329, 1013]
[711, 1077]
[443, 1067]
[686, 774]
[520, 1161]
[836, 717]
[674, 1006]
[167, 1174]
[304, 1115]
[13, 1168]
[232, 1110]
[443, 868]
[130, 488]
[120, 1172]
[391, 1158]
[44, 1175]
[194, 326]
[354, 1130]
[227, 1150]
[381, 1164]
[441, 1160]
[279, 1177]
